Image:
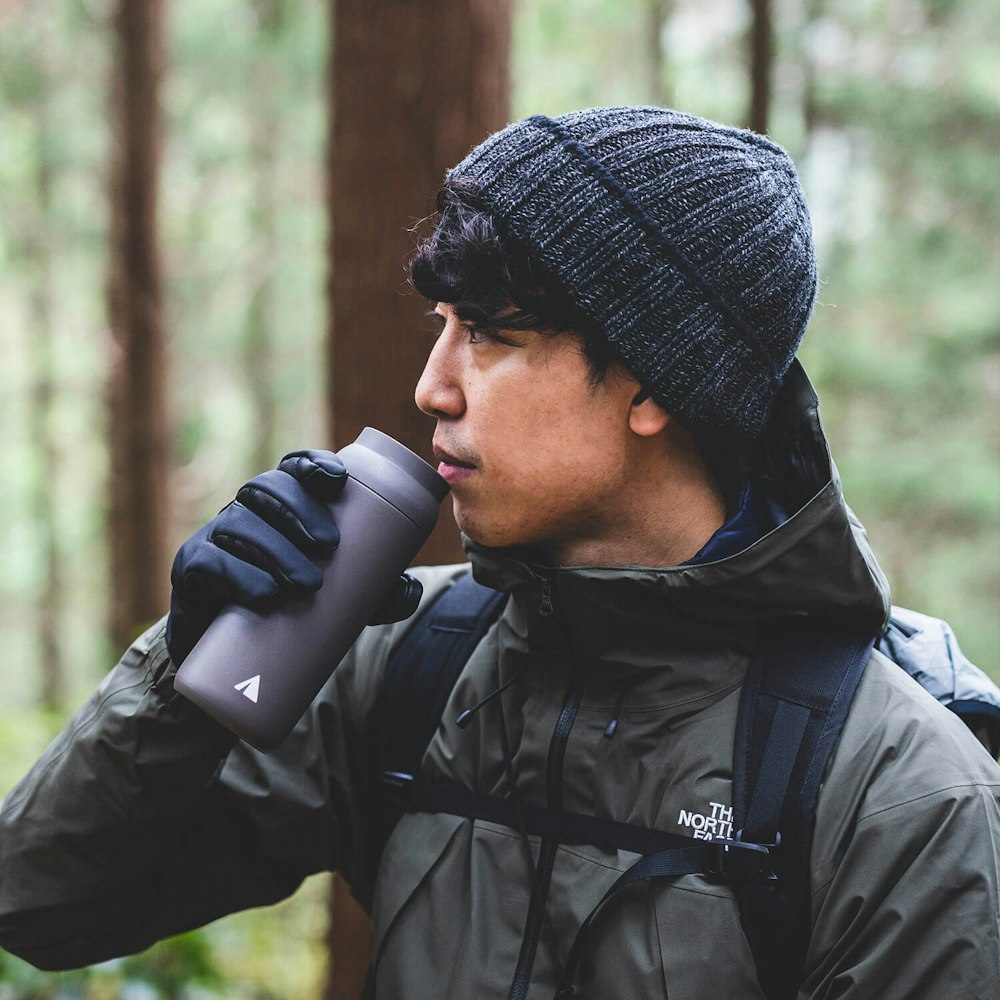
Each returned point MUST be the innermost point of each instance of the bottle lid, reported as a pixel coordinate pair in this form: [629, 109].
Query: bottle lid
[396, 474]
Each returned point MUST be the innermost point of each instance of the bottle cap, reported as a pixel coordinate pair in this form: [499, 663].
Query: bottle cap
[397, 475]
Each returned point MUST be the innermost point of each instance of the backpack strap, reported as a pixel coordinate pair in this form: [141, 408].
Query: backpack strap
[793, 706]
[705, 856]
[419, 677]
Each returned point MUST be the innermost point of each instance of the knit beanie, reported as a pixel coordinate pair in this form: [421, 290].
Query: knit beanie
[687, 243]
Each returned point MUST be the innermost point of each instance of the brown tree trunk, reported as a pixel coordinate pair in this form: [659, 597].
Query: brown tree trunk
[657, 16]
[258, 349]
[413, 86]
[46, 458]
[138, 432]
[813, 11]
[761, 65]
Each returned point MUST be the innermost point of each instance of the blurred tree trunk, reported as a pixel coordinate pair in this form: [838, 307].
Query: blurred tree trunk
[761, 64]
[412, 88]
[45, 460]
[813, 11]
[138, 433]
[258, 354]
[658, 84]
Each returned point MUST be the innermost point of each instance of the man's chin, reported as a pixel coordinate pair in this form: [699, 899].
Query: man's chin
[491, 534]
[496, 535]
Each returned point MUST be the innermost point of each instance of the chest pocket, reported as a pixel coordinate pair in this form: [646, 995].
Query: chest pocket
[411, 855]
[408, 937]
[703, 948]
[680, 939]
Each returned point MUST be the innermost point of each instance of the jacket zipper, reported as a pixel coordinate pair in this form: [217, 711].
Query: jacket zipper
[547, 851]
[545, 602]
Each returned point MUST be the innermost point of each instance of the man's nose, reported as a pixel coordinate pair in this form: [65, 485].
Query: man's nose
[438, 392]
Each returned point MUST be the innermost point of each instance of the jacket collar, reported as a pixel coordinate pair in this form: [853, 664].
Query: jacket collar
[815, 560]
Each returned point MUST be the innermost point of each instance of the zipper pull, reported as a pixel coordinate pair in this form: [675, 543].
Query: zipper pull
[545, 606]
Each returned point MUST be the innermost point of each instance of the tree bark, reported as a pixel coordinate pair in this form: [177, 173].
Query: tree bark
[412, 87]
[258, 347]
[813, 11]
[658, 85]
[46, 453]
[138, 431]
[761, 65]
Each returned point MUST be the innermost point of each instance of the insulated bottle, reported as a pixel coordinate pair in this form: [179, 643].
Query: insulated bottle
[257, 672]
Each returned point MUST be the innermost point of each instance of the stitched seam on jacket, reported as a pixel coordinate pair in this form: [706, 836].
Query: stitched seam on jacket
[927, 795]
[823, 886]
[650, 709]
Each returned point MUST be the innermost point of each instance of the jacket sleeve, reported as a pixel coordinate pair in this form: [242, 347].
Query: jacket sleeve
[145, 818]
[909, 906]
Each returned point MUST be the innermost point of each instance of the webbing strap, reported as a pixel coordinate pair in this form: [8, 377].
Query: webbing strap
[416, 795]
[420, 676]
[795, 700]
[788, 728]
[418, 680]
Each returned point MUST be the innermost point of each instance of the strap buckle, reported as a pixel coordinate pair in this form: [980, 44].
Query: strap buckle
[400, 789]
[739, 860]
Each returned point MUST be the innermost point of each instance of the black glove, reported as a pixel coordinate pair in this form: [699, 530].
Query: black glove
[264, 547]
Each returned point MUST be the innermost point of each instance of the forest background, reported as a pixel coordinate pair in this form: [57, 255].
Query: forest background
[891, 109]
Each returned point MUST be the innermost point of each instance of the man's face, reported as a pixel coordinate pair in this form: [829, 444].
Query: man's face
[533, 452]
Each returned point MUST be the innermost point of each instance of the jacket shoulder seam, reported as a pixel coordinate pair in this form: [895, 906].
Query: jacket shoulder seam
[926, 795]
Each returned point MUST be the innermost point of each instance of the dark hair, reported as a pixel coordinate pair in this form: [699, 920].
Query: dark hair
[492, 280]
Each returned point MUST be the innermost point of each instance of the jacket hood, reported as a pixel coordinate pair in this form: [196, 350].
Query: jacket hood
[813, 557]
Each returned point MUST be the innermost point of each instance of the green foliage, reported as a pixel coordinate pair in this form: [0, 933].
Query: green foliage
[591, 57]
[905, 345]
[178, 969]
[270, 954]
[230, 75]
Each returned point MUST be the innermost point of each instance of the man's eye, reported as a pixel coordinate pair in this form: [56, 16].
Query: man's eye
[475, 334]
[486, 335]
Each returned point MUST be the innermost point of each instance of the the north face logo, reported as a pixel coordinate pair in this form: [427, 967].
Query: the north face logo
[717, 822]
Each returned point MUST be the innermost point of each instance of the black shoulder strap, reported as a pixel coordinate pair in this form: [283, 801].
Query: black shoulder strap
[419, 677]
[793, 706]
[424, 668]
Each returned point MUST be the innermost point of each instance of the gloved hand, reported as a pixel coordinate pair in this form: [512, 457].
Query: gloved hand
[265, 547]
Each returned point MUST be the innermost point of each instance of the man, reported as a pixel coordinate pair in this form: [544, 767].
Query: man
[636, 460]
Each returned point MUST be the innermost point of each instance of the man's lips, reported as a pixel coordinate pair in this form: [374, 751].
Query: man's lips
[446, 458]
[452, 469]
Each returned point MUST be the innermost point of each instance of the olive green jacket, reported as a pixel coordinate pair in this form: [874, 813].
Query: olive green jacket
[144, 819]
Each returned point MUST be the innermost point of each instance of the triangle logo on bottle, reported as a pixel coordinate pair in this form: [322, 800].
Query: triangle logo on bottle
[250, 687]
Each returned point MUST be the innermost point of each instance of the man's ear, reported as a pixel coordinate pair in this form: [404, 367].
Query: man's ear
[646, 416]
